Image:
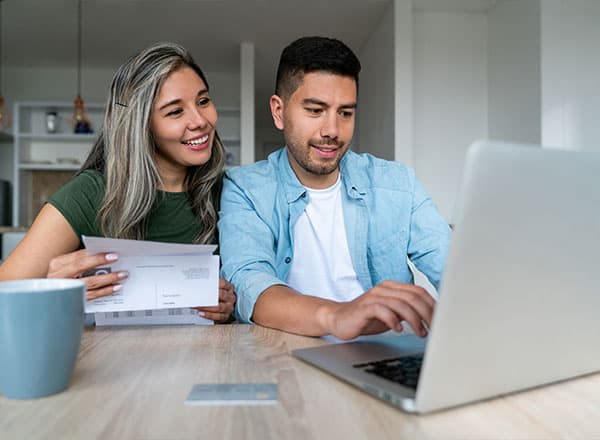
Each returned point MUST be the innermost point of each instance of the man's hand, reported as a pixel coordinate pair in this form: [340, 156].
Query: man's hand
[222, 313]
[379, 309]
[76, 264]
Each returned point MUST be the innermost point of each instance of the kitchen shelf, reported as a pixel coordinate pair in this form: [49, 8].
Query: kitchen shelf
[37, 154]
[49, 167]
[58, 136]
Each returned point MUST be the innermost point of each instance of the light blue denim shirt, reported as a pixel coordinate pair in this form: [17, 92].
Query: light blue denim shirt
[387, 214]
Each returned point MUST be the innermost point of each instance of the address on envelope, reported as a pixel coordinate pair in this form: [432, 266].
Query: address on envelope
[161, 275]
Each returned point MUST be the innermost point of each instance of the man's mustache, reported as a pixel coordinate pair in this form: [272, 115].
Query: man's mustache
[327, 143]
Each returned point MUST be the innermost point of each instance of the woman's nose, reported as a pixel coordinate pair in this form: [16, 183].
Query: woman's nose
[197, 119]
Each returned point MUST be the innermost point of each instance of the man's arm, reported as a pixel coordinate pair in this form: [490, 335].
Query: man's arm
[246, 243]
[381, 308]
[429, 236]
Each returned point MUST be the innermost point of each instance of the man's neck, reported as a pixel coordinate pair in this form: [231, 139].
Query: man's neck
[312, 180]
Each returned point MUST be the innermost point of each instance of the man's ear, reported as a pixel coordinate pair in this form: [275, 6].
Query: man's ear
[277, 104]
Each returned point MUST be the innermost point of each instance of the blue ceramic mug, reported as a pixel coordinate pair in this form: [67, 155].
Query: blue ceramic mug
[41, 321]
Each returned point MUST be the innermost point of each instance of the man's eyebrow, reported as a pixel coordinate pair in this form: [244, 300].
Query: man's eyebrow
[315, 101]
[178, 100]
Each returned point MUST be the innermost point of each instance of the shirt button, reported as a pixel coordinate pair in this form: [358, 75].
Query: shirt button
[303, 195]
[287, 260]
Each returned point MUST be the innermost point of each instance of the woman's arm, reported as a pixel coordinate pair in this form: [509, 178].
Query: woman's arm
[50, 235]
[49, 249]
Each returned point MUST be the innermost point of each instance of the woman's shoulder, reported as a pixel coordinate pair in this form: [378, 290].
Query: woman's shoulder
[89, 184]
[78, 201]
[90, 178]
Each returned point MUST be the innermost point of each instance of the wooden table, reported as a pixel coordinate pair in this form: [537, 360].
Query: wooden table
[130, 383]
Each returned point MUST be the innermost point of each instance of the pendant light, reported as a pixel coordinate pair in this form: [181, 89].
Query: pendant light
[4, 116]
[81, 120]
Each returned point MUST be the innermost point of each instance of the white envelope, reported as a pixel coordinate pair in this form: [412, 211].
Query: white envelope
[161, 275]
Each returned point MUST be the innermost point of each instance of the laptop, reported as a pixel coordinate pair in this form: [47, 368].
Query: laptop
[519, 297]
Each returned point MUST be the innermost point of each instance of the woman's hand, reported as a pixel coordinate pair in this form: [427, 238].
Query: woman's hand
[222, 313]
[80, 264]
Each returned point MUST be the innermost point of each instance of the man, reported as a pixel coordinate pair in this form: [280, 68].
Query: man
[316, 238]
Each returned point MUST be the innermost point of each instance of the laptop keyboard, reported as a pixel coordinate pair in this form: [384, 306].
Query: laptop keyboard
[402, 370]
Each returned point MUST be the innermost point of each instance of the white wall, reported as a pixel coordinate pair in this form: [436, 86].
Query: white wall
[59, 84]
[375, 116]
[247, 86]
[268, 138]
[514, 71]
[570, 32]
[450, 98]
[404, 82]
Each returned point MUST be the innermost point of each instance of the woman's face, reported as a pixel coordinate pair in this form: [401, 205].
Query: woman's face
[183, 122]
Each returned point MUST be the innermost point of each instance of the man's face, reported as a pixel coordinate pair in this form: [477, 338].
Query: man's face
[317, 122]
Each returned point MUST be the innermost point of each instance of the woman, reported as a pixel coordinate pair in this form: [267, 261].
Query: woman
[154, 173]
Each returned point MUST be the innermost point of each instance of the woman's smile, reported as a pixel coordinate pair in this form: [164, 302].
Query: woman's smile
[198, 143]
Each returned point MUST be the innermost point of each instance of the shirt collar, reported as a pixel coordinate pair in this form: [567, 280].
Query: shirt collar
[354, 181]
[292, 186]
[354, 177]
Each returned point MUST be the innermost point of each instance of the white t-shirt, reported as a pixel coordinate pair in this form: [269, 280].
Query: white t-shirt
[322, 265]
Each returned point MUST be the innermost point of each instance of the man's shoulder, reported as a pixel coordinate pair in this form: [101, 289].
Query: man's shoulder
[259, 173]
[259, 184]
[378, 172]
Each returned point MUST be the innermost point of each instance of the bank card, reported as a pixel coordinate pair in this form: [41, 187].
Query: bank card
[233, 394]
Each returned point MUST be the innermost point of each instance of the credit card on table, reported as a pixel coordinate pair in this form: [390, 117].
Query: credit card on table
[233, 394]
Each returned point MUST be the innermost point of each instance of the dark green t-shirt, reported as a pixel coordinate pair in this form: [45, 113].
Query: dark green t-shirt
[171, 220]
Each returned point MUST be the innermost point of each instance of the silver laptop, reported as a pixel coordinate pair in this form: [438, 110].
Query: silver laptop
[519, 298]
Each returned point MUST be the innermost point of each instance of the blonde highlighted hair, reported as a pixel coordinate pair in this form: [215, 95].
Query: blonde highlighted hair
[125, 149]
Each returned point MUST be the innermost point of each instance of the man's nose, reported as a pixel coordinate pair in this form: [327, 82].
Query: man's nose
[330, 128]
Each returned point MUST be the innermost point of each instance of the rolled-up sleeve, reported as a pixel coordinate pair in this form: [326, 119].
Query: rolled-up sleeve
[429, 236]
[247, 248]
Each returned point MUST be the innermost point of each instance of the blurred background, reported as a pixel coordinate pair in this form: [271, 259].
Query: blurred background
[437, 75]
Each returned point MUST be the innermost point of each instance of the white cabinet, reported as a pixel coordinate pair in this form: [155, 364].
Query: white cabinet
[228, 127]
[45, 159]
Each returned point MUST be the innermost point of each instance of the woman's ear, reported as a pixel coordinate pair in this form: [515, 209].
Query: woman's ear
[277, 104]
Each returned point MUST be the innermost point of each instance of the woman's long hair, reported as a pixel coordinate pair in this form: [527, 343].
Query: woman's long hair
[125, 149]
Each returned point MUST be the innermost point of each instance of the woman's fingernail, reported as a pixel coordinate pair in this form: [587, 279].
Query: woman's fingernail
[201, 314]
[123, 274]
[117, 287]
[111, 257]
[425, 329]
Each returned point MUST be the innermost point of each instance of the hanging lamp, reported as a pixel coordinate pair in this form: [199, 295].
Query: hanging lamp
[81, 120]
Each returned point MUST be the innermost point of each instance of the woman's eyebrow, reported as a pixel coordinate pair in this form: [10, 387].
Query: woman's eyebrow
[178, 100]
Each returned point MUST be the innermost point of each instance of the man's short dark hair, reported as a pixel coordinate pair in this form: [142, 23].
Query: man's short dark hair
[313, 54]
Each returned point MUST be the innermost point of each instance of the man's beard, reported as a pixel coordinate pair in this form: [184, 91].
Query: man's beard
[302, 156]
